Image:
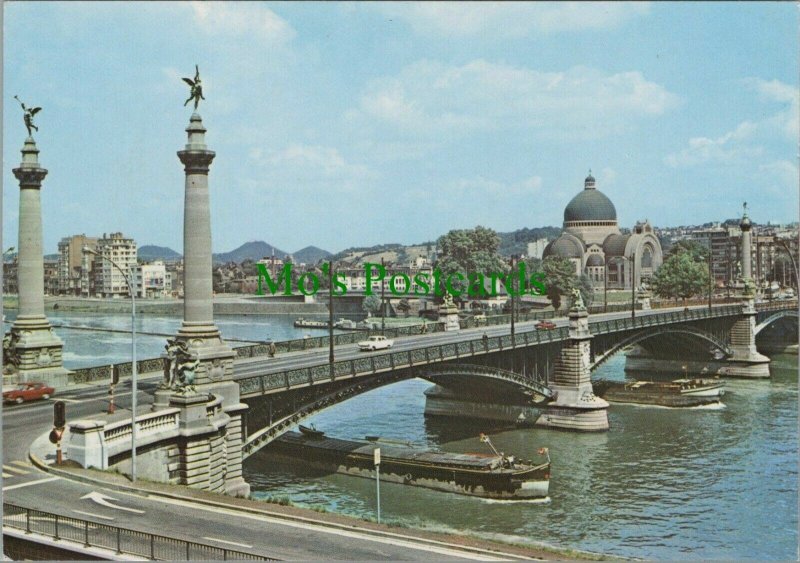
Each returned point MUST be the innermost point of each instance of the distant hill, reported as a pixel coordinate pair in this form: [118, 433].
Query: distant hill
[253, 250]
[153, 252]
[310, 255]
[516, 242]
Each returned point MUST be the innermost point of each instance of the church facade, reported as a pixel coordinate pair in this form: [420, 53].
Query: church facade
[592, 241]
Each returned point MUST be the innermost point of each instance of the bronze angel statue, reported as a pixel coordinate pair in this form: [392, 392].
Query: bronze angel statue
[196, 93]
[28, 116]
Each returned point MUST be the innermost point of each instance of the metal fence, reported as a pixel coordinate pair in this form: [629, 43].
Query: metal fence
[121, 540]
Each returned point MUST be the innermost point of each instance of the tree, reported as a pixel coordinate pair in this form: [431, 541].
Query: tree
[371, 304]
[469, 251]
[404, 306]
[587, 289]
[681, 277]
[559, 278]
[697, 251]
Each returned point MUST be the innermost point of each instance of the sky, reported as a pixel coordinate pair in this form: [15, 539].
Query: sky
[344, 124]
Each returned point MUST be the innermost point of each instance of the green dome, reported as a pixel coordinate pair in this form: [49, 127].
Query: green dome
[590, 205]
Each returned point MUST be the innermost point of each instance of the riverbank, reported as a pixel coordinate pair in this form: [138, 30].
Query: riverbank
[223, 305]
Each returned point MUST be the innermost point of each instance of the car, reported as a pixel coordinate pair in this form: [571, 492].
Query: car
[545, 325]
[28, 392]
[376, 343]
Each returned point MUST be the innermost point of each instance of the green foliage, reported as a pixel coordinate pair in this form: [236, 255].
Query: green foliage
[697, 251]
[372, 304]
[559, 278]
[469, 251]
[681, 276]
[587, 289]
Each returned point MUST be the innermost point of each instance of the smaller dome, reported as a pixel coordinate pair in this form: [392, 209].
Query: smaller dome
[589, 181]
[565, 246]
[614, 245]
[594, 260]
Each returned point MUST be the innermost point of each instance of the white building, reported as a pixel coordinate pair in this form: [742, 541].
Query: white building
[153, 280]
[108, 281]
[536, 248]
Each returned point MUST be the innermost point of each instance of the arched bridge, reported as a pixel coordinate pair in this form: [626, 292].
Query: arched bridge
[766, 318]
[282, 391]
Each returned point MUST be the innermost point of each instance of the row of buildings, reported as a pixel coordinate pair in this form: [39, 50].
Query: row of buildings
[92, 274]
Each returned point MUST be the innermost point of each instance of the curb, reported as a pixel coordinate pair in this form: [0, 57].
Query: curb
[263, 512]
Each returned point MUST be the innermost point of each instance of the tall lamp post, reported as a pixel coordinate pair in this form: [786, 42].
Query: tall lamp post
[791, 257]
[710, 278]
[513, 298]
[383, 299]
[134, 369]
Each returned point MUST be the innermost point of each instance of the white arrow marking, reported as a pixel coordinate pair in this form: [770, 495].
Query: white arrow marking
[244, 545]
[103, 500]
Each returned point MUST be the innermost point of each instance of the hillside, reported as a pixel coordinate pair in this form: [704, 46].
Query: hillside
[153, 252]
[310, 255]
[253, 250]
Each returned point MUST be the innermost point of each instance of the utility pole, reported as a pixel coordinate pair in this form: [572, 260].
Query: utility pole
[330, 316]
[383, 299]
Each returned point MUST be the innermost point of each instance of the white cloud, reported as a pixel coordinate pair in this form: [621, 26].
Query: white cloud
[510, 19]
[747, 139]
[312, 167]
[430, 97]
[241, 19]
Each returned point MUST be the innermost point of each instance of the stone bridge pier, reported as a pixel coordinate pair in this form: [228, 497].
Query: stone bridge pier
[746, 361]
[575, 406]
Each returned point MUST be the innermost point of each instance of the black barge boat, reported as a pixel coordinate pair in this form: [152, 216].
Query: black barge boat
[480, 475]
[676, 393]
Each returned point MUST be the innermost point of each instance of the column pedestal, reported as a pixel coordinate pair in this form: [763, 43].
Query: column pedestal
[746, 361]
[575, 407]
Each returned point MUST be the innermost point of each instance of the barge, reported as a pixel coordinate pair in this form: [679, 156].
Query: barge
[676, 393]
[307, 323]
[481, 475]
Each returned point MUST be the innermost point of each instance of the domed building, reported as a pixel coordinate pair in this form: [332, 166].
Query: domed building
[593, 242]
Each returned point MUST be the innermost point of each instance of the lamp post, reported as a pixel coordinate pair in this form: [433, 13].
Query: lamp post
[134, 370]
[513, 298]
[330, 316]
[605, 284]
[710, 278]
[383, 299]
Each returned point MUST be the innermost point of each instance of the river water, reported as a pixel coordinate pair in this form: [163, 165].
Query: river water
[662, 483]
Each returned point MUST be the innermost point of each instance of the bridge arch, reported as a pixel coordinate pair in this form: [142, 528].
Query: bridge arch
[717, 343]
[266, 435]
[775, 317]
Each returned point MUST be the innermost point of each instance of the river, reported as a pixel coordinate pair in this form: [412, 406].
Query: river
[662, 483]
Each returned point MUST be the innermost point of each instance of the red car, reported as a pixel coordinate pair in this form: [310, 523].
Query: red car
[545, 325]
[28, 392]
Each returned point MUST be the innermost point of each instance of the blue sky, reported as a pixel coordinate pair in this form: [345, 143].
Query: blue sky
[340, 124]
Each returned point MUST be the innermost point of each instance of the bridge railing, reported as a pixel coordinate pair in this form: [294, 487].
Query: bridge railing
[123, 541]
[619, 325]
[396, 360]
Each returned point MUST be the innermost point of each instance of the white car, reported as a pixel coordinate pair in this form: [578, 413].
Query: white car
[376, 343]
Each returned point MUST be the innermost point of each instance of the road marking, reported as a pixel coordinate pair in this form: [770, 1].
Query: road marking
[29, 483]
[407, 542]
[7, 475]
[244, 545]
[22, 463]
[16, 470]
[103, 500]
[93, 515]
[65, 399]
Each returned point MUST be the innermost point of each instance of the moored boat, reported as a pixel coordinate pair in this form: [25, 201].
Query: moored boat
[306, 323]
[676, 393]
[482, 475]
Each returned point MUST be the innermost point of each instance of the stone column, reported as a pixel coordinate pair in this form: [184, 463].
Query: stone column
[198, 330]
[746, 361]
[575, 406]
[35, 346]
[448, 314]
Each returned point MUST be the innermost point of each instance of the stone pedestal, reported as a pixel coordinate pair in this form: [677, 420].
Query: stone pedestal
[746, 361]
[34, 345]
[575, 406]
[643, 299]
[448, 314]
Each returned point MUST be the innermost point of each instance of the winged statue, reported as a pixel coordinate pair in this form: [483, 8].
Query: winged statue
[28, 116]
[196, 86]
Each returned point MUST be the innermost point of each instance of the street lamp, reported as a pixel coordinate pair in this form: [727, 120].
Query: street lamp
[513, 299]
[791, 257]
[134, 370]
